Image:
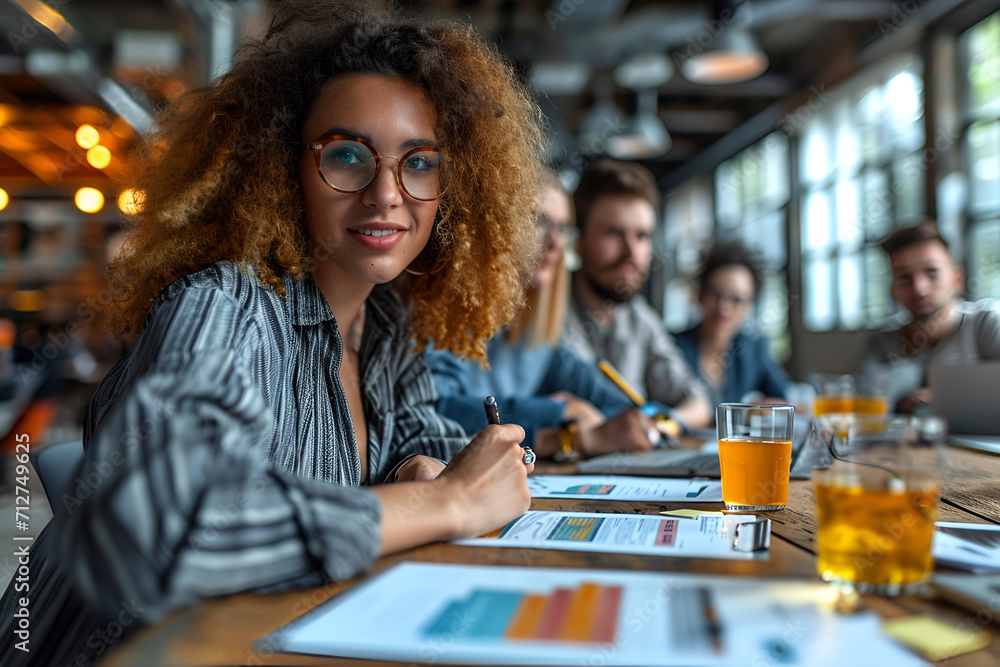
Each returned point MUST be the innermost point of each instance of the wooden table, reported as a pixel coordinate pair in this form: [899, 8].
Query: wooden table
[222, 631]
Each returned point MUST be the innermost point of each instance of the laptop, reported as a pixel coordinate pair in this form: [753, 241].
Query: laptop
[685, 463]
[966, 395]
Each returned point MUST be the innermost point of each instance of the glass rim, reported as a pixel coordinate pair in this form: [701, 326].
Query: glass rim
[320, 144]
[755, 405]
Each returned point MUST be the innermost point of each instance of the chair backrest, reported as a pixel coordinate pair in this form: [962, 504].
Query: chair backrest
[55, 466]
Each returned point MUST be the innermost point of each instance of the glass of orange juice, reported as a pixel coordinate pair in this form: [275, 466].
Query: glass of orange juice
[755, 454]
[835, 402]
[871, 404]
[876, 506]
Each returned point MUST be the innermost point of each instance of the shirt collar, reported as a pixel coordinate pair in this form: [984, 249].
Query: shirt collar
[306, 304]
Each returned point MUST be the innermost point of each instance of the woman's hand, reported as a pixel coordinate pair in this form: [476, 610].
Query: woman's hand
[419, 468]
[630, 431]
[487, 481]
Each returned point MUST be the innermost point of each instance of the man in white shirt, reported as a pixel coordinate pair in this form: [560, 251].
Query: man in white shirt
[942, 327]
[608, 318]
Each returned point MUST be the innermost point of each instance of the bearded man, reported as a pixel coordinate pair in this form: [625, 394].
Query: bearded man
[608, 318]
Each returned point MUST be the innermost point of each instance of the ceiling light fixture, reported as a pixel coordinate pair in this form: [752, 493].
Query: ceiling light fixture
[725, 51]
[645, 135]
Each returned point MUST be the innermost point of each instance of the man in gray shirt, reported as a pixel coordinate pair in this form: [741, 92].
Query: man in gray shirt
[608, 318]
[942, 328]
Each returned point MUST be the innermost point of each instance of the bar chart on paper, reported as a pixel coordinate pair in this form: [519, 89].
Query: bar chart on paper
[587, 613]
[448, 613]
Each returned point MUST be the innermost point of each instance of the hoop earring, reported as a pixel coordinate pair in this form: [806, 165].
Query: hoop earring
[442, 262]
[433, 243]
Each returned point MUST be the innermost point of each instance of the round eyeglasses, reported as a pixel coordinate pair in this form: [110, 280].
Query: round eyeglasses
[350, 164]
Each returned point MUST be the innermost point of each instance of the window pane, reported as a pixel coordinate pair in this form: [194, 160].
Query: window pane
[816, 221]
[984, 67]
[848, 231]
[984, 279]
[771, 243]
[727, 193]
[775, 160]
[905, 113]
[848, 145]
[878, 303]
[876, 215]
[869, 115]
[984, 161]
[815, 154]
[677, 305]
[750, 235]
[908, 184]
[849, 281]
[772, 305]
[818, 313]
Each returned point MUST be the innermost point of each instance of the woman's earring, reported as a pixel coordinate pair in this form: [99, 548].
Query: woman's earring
[434, 243]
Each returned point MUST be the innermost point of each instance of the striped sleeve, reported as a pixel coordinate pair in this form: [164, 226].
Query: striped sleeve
[187, 506]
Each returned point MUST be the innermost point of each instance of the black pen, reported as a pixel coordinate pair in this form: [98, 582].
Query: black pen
[492, 412]
[493, 417]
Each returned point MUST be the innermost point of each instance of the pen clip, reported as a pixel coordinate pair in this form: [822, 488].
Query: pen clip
[752, 536]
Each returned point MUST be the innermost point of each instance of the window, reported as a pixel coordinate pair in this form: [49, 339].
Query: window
[861, 170]
[751, 203]
[688, 231]
[980, 48]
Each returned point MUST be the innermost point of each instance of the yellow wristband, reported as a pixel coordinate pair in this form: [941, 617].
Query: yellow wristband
[569, 441]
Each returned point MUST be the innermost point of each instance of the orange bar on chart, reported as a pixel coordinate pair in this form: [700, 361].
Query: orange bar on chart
[527, 618]
[582, 613]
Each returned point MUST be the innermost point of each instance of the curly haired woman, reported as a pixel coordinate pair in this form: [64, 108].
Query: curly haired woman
[245, 440]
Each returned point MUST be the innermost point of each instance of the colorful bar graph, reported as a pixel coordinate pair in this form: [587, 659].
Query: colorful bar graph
[590, 489]
[586, 614]
[576, 529]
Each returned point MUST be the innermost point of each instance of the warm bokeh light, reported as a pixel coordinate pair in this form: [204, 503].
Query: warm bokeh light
[99, 157]
[27, 301]
[130, 201]
[89, 200]
[87, 136]
[4, 199]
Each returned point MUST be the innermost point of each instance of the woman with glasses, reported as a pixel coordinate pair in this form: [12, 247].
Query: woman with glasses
[563, 403]
[248, 439]
[732, 360]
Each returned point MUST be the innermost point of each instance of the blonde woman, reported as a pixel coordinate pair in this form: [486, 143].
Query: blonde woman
[565, 405]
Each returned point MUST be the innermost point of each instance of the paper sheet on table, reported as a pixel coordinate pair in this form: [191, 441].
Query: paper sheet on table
[448, 613]
[615, 487]
[968, 546]
[732, 536]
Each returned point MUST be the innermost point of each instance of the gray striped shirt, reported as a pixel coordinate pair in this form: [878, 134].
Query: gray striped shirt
[226, 460]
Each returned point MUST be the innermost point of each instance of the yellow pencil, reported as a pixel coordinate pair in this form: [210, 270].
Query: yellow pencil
[663, 423]
[615, 377]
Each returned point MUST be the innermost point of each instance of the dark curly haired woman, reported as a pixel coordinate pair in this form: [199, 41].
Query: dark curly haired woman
[271, 391]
